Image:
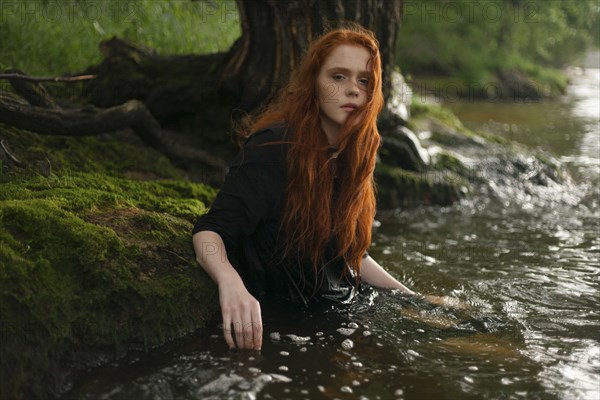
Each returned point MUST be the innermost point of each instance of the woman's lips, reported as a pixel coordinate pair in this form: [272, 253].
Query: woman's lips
[349, 107]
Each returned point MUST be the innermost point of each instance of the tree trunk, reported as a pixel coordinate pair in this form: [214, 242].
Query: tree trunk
[198, 90]
[180, 91]
[275, 35]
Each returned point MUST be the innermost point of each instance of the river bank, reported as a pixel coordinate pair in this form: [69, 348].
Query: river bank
[522, 86]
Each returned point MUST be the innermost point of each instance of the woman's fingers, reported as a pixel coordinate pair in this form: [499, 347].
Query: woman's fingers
[238, 327]
[233, 332]
[227, 331]
[257, 328]
[253, 330]
[247, 326]
[242, 324]
[248, 333]
[252, 326]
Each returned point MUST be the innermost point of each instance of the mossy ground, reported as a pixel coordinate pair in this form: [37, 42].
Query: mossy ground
[93, 259]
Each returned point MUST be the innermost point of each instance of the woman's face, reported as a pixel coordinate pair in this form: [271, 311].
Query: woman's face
[342, 86]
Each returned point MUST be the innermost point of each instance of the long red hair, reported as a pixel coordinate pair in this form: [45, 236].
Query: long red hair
[311, 218]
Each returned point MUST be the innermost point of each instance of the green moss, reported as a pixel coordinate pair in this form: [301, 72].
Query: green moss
[445, 127]
[50, 230]
[107, 154]
[445, 161]
[77, 277]
[549, 81]
[397, 187]
[520, 79]
[420, 110]
[95, 256]
[79, 191]
[552, 167]
[489, 137]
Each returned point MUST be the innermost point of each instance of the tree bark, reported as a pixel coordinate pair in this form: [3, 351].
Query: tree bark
[178, 90]
[275, 35]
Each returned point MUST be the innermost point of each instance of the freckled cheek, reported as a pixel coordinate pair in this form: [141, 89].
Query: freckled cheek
[328, 93]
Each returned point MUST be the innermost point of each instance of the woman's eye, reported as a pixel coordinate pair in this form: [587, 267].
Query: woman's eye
[338, 77]
[363, 81]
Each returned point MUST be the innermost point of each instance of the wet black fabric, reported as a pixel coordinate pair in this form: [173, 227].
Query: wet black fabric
[247, 213]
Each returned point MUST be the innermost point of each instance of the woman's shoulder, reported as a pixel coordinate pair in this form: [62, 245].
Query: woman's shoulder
[273, 133]
[265, 146]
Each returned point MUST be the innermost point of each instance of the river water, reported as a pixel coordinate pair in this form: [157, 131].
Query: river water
[525, 266]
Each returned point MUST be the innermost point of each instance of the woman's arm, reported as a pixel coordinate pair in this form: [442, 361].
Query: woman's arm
[240, 310]
[374, 274]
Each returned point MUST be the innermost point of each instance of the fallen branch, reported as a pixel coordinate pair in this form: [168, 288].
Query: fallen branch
[90, 121]
[32, 91]
[23, 77]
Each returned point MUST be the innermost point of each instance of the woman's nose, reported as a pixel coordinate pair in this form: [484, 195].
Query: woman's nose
[352, 89]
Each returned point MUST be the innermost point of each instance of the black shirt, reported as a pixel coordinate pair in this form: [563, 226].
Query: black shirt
[247, 214]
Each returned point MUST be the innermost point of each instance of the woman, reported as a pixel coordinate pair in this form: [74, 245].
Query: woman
[293, 218]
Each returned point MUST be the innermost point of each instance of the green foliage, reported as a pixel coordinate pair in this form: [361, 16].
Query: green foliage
[471, 40]
[51, 37]
[559, 31]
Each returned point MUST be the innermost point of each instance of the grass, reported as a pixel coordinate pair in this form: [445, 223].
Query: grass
[49, 37]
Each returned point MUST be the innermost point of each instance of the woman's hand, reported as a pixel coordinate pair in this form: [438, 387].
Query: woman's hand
[241, 311]
[242, 323]
[446, 301]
